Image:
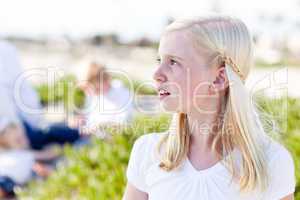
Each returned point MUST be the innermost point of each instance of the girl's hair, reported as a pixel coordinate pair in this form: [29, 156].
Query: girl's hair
[227, 40]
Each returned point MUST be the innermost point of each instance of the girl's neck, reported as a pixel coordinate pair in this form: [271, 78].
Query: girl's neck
[203, 130]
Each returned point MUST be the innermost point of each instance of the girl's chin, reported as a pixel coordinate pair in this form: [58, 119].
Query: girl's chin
[169, 106]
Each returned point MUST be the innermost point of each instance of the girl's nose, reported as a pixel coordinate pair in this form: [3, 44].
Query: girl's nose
[159, 76]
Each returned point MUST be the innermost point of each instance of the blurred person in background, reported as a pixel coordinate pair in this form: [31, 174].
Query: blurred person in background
[107, 100]
[36, 128]
[18, 163]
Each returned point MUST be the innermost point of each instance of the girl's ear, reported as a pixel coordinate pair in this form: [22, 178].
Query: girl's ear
[221, 81]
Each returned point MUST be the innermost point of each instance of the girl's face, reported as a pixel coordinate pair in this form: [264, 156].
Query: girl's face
[182, 77]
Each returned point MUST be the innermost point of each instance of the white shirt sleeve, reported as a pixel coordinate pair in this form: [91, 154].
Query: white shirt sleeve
[282, 176]
[135, 170]
[8, 112]
[11, 70]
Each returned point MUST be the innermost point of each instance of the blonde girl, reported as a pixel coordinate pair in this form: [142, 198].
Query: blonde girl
[217, 149]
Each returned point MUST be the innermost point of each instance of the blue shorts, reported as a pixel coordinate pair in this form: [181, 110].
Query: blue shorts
[56, 133]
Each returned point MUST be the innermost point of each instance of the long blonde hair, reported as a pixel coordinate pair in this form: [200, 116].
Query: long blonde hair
[228, 40]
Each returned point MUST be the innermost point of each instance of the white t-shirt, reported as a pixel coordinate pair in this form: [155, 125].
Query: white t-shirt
[214, 183]
[115, 106]
[122, 98]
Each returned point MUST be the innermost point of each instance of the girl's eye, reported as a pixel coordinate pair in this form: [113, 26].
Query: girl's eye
[173, 62]
[158, 60]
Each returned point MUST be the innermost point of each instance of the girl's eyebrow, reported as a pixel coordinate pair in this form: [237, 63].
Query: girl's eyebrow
[172, 56]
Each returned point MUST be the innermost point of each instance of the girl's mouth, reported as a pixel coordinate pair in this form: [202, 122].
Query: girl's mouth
[163, 93]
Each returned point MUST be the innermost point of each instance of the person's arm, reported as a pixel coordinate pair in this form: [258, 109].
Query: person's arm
[49, 153]
[289, 197]
[132, 193]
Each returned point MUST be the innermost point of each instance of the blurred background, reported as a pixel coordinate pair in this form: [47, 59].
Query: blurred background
[124, 35]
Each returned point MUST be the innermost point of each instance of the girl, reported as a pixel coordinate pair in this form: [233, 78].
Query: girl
[218, 149]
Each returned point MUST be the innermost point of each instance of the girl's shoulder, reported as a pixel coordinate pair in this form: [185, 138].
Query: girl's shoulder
[281, 171]
[150, 139]
[276, 151]
[143, 156]
[146, 146]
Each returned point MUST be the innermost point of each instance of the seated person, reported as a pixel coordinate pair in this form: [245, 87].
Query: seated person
[107, 100]
[17, 162]
[39, 133]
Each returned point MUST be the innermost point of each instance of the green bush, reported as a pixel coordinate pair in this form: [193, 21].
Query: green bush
[98, 170]
[66, 91]
[293, 144]
[286, 113]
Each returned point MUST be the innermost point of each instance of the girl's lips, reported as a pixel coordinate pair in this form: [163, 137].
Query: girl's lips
[163, 93]
[162, 96]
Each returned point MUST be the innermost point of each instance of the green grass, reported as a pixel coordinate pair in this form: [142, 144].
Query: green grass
[64, 90]
[280, 63]
[98, 171]
[292, 142]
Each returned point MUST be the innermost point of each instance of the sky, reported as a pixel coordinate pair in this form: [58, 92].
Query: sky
[130, 18]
